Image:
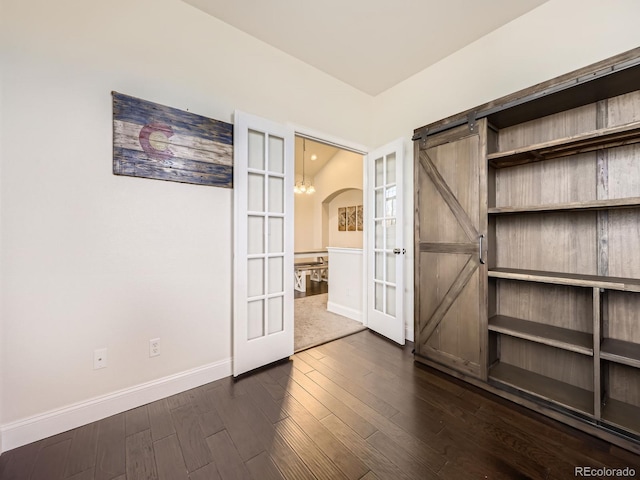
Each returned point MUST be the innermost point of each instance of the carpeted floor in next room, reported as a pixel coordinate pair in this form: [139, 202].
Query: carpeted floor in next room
[315, 326]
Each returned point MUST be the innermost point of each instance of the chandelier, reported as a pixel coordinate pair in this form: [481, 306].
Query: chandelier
[304, 186]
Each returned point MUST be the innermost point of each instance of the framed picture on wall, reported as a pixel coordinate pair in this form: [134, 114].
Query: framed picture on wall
[359, 222]
[351, 219]
[342, 219]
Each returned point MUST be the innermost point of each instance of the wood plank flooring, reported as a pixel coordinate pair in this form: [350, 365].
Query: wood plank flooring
[356, 408]
[312, 288]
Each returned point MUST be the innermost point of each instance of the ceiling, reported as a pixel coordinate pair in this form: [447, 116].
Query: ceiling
[370, 44]
[322, 151]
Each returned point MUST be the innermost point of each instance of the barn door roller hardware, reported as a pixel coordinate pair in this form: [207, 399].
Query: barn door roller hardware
[471, 120]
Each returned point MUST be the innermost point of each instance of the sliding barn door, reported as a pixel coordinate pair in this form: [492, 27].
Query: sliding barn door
[451, 227]
[263, 180]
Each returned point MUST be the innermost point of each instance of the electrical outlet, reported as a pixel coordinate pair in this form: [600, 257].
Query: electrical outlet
[154, 347]
[99, 358]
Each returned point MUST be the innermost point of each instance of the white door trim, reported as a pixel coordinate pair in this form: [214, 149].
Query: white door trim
[321, 137]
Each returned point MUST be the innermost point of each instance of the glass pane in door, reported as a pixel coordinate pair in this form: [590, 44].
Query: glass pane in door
[276, 315]
[379, 266]
[391, 267]
[391, 169]
[255, 277]
[276, 235]
[276, 154]
[379, 171]
[276, 275]
[379, 297]
[391, 300]
[255, 235]
[255, 319]
[256, 150]
[276, 195]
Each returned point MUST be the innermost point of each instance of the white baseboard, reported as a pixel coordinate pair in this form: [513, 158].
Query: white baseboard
[348, 312]
[36, 428]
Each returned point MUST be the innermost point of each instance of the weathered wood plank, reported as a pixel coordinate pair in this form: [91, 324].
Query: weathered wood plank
[192, 440]
[169, 459]
[176, 170]
[632, 202]
[371, 457]
[110, 457]
[160, 419]
[319, 463]
[127, 136]
[136, 420]
[572, 279]
[51, 461]
[238, 426]
[226, 457]
[140, 457]
[164, 143]
[585, 142]
[208, 472]
[428, 327]
[348, 463]
[88, 475]
[443, 247]
[448, 196]
[82, 453]
[262, 467]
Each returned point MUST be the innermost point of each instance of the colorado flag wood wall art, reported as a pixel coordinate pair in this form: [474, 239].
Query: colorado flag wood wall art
[155, 141]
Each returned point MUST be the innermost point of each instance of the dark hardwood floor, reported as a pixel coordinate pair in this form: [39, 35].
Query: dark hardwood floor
[313, 288]
[356, 408]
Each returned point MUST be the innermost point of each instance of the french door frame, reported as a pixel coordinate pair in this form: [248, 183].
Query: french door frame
[363, 150]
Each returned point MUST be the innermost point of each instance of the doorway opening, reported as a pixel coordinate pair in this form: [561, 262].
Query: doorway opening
[328, 242]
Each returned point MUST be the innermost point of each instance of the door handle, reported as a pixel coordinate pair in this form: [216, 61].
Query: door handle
[481, 249]
[399, 251]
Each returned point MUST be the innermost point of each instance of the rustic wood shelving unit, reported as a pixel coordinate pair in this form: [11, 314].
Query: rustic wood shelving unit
[527, 269]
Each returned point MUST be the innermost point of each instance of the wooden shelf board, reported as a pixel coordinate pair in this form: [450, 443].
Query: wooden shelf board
[620, 351]
[571, 279]
[586, 142]
[622, 414]
[632, 202]
[556, 391]
[574, 341]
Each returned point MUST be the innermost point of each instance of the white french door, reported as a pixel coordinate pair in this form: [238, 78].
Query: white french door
[385, 241]
[263, 176]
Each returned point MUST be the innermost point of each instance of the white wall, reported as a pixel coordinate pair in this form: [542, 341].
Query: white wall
[556, 38]
[304, 228]
[346, 282]
[342, 172]
[344, 239]
[94, 260]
